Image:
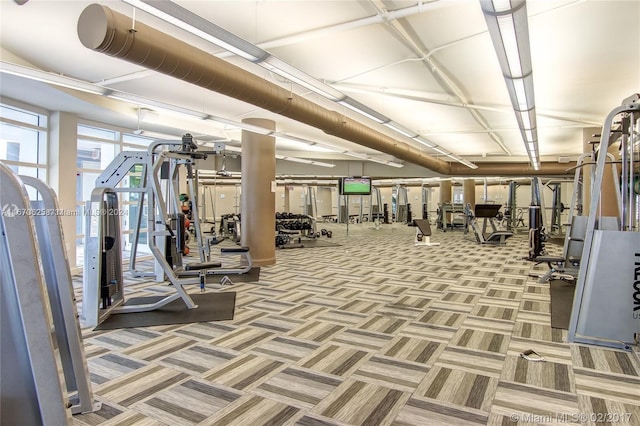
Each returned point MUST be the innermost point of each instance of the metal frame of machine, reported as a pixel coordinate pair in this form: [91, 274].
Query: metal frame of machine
[606, 306]
[39, 325]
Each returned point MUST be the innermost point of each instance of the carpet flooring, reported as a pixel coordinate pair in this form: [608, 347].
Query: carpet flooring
[375, 331]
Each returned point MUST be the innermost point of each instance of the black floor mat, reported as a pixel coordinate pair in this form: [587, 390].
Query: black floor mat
[252, 276]
[561, 303]
[315, 243]
[211, 307]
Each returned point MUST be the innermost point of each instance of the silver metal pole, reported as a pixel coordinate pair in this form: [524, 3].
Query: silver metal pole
[485, 193]
[624, 148]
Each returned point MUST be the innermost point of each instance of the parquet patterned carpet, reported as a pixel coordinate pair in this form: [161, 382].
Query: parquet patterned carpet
[373, 332]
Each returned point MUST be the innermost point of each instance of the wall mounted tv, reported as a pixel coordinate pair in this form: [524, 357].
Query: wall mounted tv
[355, 186]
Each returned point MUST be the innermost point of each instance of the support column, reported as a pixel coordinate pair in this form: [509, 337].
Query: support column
[258, 193]
[62, 172]
[469, 192]
[445, 191]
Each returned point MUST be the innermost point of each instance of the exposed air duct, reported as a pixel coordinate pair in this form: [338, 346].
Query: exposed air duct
[109, 32]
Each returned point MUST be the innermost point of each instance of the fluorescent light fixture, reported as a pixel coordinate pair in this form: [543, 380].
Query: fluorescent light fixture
[453, 157]
[501, 5]
[440, 150]
[147, 134]
[424, 142]
[521, 95]
[50, 78]
[189, 21]
[243, 126]
[304, 161]
[467, 163]
[361, 108]
[401, 129]
[294, 142]
[509, 30]
[287, 71]
[356, 155]
[526, 119]
[385, 162]
[141, 101]
[286, 158]
[206, 30]
[510, 43]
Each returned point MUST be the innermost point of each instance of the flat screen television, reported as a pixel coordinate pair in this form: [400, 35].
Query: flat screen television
[355, 186]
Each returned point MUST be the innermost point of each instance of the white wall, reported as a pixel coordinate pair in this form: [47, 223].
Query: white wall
[325, 198]
[296, 200]
[221, 199]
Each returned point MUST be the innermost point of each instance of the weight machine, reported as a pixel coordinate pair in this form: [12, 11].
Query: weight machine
[513, 214]
[606, 305]
[425, 193]
[449, 216]
[488, 213]
[38, 316]
[375, 206]
[402, 204]
[103, 279]
[567, 266]
[310, 207]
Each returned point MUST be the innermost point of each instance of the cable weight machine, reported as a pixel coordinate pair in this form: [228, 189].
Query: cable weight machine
[606, 310]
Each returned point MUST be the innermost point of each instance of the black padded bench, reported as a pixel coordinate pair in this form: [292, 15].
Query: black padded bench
[201, 266]
[229, 250]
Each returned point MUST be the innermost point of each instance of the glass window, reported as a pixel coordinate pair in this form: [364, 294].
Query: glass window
[136, 140]
[22, 144]
[23, 116]
[95, 155]
[85, 182]
[94, 132]
[96, 149]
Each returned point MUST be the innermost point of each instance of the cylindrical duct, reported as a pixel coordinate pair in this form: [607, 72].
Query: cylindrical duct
[512, 169]
[104, 30]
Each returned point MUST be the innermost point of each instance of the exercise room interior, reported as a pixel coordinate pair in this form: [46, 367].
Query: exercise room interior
[355, 212]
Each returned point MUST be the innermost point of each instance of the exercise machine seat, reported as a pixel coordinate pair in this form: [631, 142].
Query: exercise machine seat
[201, 266]
[234, 250]
[499, 236]
[539, 260]
[423, 226]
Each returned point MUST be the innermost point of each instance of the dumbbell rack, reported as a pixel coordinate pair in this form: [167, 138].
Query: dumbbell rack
[305, 224]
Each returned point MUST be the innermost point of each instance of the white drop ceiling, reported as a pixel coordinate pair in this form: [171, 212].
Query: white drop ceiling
[426, 70]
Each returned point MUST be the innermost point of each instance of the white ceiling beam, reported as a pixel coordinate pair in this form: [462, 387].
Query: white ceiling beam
[417, 96]
[442, 76]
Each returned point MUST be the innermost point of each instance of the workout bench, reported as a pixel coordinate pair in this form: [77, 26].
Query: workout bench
[423, 233]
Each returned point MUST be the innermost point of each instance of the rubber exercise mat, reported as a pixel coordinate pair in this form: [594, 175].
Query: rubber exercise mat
[318, 243]
[561, 303]
[252, 276]
[211, 307]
